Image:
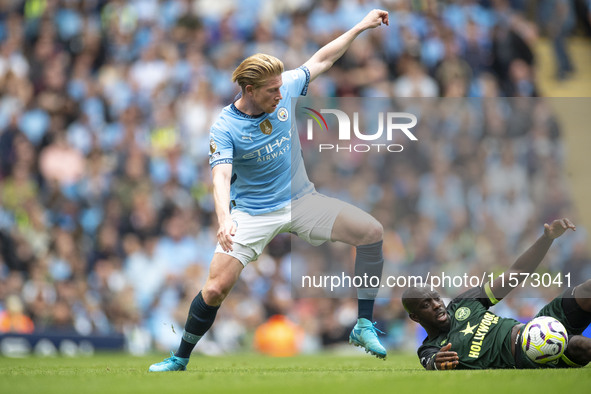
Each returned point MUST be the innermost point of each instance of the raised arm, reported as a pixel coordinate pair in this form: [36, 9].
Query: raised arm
[222, 174]
[322, 60]
[530, 259]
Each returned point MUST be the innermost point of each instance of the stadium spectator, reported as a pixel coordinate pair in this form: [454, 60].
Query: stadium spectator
[413, 80]
[13, 319]
[61, 163]
[557, 17]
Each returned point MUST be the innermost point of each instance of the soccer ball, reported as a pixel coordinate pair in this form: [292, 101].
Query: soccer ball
[544, 339]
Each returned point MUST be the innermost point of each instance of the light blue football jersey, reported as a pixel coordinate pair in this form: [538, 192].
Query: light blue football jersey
[264, 150]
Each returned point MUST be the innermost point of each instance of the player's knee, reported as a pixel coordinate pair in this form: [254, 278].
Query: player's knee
[579, 349]
[214, 294]
[374, 232]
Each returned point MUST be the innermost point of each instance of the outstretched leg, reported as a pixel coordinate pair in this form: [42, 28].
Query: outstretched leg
[223, 274]
[355, 227]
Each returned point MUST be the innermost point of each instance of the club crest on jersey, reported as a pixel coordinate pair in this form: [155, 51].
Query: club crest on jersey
[266, 127]
[282, 114]
[212, 146]
[462, 313]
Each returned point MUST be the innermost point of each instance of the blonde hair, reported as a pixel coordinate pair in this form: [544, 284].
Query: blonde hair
[255, 69]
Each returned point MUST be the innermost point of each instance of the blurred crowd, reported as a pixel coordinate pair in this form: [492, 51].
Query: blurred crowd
[106, 215]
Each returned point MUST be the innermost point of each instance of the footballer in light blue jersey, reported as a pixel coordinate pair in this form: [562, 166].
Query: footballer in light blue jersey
[261, 189]
[264, 150]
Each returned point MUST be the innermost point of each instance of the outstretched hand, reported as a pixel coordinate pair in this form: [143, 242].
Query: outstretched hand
[374, 19]
[558, 227]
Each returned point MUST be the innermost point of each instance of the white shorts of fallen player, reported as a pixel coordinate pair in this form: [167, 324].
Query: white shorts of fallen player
[310, 217]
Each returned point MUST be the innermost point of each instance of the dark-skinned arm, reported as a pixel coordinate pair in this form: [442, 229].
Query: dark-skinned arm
[529, 260]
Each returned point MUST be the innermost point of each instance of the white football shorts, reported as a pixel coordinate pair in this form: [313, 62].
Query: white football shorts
[310, 217]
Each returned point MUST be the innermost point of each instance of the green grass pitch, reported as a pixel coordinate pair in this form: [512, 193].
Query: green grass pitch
[401, 373]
